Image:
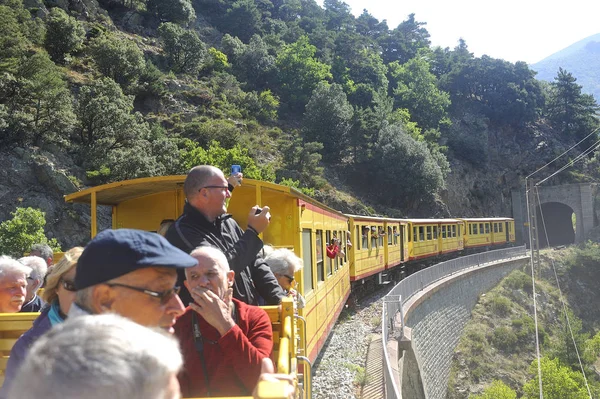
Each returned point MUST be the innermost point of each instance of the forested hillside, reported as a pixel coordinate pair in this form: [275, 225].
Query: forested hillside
[366, 117]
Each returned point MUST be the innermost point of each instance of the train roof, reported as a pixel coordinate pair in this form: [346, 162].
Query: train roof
[497, 219]
[115, 193]
[428, 221]
[376, 218]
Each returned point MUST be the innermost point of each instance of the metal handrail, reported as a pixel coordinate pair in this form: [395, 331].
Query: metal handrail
[307, 377]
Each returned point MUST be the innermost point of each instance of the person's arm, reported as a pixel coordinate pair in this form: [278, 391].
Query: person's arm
[244, 352]
[265, 282]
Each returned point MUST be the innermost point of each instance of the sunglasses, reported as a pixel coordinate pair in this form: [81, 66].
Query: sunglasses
[290, 278]
[164, 296]
[68, 285]
[220, 187]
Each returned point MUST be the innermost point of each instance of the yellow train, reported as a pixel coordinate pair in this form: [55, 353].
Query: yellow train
[375, 249]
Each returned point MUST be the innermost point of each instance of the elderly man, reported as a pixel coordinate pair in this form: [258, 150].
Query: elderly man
[13, 284]
[204, 222]
[43, 251]
[33, 303]
[223, 340]
[99, 357]
[131, 273]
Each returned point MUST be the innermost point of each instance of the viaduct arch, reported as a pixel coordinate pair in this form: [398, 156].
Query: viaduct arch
[557, 204]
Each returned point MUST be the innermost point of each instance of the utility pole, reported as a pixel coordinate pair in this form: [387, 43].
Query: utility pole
[532, 203]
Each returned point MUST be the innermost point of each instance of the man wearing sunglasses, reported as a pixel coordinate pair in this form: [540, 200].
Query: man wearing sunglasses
[204, 222]
[132, 273]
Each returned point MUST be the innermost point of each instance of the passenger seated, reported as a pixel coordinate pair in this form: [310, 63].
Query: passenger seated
[284, 264]
[132, 273]
[223, 340]
[13, 284]
[100, 357]
[33, 303]
[43, 251]
[59, 294]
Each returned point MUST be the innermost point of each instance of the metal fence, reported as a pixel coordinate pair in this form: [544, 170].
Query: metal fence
[405, 289]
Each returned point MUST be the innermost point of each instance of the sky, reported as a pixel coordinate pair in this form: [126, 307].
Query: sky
[513, 30]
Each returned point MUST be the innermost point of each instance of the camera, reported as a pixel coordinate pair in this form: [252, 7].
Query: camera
[235, 169]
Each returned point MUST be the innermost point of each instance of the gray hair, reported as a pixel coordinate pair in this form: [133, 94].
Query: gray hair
[38, 268]
[83, 298]
[212, 253]
[197, 178]
[98, 357]
[280, 261]
[9, 266]
[44, 250]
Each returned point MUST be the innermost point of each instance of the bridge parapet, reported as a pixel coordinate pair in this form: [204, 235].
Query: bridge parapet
[423, 317]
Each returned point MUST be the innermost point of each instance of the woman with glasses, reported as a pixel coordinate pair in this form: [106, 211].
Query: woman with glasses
[284, 264]
[59, 295]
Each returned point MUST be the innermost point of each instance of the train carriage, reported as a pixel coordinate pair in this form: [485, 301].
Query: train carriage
[426, 238]
[480, 232]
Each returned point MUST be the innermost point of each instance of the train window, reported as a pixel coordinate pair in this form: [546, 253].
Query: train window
[416, 237]
[428, 233]
[380, 235]
[320, 261]
[435, 232]
[487, 228]
[454, 230]
[329, 261]
[358, 240]
[395, 232]
[495, 227]
[474, 229]
[421, 233]
[480, 228]
[307, 270]
[499, 227]
[470, 228]
[443, 231]
[389, 235]
[365, 236]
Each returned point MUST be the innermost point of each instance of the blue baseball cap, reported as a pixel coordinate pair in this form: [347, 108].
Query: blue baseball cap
[114, 253]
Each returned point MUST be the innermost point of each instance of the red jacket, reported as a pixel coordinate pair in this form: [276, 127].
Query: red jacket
[233, 360]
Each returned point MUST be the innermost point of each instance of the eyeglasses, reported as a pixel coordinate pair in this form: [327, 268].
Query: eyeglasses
[68, 285]
[164, 296]
[290, 278]
[221, 187]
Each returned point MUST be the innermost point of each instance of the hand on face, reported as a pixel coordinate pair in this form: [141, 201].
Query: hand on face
[216, 311]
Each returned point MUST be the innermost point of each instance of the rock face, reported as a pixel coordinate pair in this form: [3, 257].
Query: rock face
[35, 178]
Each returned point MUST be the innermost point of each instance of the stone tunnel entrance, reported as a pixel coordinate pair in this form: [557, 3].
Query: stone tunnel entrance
[559, 220]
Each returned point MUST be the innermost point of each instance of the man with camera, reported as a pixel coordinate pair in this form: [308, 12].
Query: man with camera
[204, 222]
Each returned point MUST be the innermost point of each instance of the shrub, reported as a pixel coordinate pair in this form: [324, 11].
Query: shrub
[504, 338]
[498, 390]
[26, 228]
[64, 35]
[518, 280]
[499, 305]
[118, 58]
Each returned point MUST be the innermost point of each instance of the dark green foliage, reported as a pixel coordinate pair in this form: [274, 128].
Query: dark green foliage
[499, 305]
[327, 120]
[299, 72]
[242, 19]
[519, 280]
[403, 43]
[301, 162]
[37, 102]
[118, 58]
[571, 111]
[64, 35]
[176, 11]
[184, 50]
[504, 339]
[26, 228]
[415, 172]
[468, 139]
[225, 132]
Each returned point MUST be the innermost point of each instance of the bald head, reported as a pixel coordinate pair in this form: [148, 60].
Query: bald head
[197, 178]
[211, 255]
[212, 272]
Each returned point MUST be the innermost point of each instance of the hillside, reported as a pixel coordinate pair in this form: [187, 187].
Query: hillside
[367, 118]
[582, 59]
[498, 342]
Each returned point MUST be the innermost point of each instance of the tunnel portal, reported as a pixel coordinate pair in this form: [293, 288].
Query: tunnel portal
[559, 221]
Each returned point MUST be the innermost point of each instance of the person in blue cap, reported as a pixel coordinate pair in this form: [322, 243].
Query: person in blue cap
[132, 273]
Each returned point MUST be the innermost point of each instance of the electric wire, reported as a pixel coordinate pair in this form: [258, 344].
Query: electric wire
[572, 162]
[537, 193]
[537, 339]
[565, 152]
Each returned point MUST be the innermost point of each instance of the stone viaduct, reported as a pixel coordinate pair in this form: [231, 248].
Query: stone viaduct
[434, 321]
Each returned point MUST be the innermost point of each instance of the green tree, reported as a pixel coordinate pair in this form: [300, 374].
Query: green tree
[301, 162]
[243, 19]
[404, 42]
[416, 90]
[26, 228]
[176, 11]
[571, 111]
[498, 390]
[416, 173]
[64, 35]
[254, 64]
[558, 382]
[300, 72]
[118, 58]
[327, 120]
[184, 50]
[38, 102]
